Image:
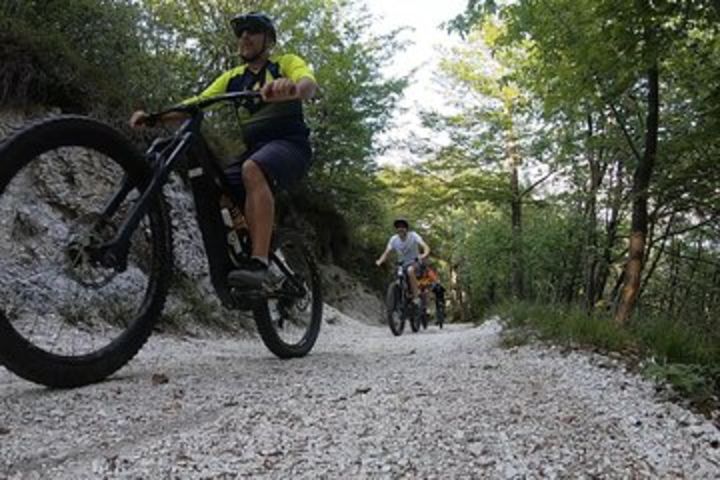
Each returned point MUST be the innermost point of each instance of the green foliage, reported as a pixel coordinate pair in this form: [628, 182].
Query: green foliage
[515, 338]
[85, 55]
[567, 325]
[486, 261]
[551, 249]
[673, 341]
[685, 286]
[438, 198]
[63, 53]
[583, 66]
[697, 383]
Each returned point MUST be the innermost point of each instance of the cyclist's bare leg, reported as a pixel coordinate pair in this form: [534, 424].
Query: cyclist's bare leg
[259, 208]
[413, 281]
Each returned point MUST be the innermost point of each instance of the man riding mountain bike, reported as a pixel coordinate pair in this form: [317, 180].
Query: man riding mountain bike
[407, 245]
[276, 137]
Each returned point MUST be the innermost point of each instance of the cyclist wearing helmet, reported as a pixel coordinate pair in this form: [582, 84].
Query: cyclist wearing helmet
[277, 150]
[407, 244]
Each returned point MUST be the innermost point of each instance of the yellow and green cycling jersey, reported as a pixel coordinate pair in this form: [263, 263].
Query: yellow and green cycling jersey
[262, 122]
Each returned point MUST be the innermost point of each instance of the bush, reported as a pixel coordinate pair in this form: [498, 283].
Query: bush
[79, 55]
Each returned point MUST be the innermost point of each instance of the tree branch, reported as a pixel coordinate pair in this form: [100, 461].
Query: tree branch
[693, 259]
[534, 185]
[626, 134]
[691, 228]
[656, 260]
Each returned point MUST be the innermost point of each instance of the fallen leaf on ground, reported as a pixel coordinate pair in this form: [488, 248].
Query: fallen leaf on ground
[159, 379]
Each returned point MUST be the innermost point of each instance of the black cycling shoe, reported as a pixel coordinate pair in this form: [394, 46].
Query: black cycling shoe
[256, 275]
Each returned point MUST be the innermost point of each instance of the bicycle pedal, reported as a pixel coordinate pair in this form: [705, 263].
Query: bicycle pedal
[257, 293]
[247, 298]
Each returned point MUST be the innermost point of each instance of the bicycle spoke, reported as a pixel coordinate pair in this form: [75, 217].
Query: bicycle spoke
[290, 323]
[57, 293]
[58, 208]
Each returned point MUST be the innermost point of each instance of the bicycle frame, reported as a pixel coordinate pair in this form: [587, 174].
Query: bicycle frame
[404, 284]
[208, 183]
[113, 254]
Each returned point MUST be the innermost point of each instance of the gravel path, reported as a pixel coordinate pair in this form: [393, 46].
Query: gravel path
[439, 404]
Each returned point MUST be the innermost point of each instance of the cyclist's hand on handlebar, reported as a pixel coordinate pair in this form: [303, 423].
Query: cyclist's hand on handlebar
[279, 90]
[139, 119]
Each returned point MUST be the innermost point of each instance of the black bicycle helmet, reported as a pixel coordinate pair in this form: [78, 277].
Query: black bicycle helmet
[254, 22]
[401, 221]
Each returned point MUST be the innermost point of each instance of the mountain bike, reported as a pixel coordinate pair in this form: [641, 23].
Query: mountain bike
[86, 253]
[439, 295]
[399, 305]
[428, 283]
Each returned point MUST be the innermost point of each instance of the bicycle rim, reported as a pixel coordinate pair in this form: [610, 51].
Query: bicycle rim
[289, 320]
[67, 321]
[393, 303]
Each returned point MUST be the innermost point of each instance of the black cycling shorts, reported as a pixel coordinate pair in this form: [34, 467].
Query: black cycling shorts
[284, 162]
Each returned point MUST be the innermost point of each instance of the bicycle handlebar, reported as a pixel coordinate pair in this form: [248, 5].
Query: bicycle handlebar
[195, 107]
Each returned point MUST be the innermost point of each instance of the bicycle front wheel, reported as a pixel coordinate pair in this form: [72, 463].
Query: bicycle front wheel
[289, 319]
[66, 320]
[393, 305]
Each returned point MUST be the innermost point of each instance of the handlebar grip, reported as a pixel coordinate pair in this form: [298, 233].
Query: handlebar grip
[292, 93]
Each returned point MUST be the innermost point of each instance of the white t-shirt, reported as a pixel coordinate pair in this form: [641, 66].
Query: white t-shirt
[409, 249]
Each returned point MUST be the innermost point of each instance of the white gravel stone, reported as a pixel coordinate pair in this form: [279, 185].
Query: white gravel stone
[360, 406]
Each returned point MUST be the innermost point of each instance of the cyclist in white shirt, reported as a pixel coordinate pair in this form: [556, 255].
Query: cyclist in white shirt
[407, 245]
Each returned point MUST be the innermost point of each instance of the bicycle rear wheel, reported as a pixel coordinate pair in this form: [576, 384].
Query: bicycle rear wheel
[439, 305]
[440, 313]
[289, 320]
[423, 310]
[67, 321]
[393, 305]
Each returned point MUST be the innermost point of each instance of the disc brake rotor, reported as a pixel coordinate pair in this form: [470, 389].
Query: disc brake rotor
[79, 264]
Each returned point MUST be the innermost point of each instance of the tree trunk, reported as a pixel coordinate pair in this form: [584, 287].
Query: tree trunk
[457, 295]
[591, 241]
[517, 264]
[714, 301]
[639, 224]
[674, 277]
[689, 283]
[611, 228]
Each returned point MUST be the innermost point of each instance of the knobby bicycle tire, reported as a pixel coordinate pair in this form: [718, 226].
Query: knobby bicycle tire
[415, 313]
[393, 306]
[19, 155]
[302, 262]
